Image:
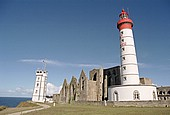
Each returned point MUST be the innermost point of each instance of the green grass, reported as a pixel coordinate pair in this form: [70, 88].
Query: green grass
[101, 110]
[21, 107]
[27, 104]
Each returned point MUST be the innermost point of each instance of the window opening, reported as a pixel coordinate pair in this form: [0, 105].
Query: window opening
[124, 67]
[160, 92]
[136, 95]
[115, 96]
[168, 92]
[124, 79]
[95, 77]
[123, 49]
[154, 95]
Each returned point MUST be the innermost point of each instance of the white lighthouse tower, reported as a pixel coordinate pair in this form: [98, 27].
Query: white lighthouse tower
[129, 67]
[130, 89]
[40, 87]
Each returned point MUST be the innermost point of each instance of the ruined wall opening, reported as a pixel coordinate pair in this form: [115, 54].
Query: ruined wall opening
[168, 92]
[95, 77]
[65, 91]
[74, 93]
[82, 85]
[160, 92]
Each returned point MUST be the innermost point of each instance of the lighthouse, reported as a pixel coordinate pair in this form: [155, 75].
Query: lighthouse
[130, 89]
[40, 87]
[129, 67]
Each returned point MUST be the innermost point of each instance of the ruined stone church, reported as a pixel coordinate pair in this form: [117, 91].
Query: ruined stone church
[92, 89]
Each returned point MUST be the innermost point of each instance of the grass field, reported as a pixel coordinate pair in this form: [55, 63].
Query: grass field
[101, 110]
[21, 107]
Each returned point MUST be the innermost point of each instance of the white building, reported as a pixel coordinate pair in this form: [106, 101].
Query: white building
[40, 88]
[130, 88]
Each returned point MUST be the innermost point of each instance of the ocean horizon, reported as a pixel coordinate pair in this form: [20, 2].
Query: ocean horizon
[12, 101]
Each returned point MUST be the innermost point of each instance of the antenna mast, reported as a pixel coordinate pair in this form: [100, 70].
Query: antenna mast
[128, 12]
[45, 65]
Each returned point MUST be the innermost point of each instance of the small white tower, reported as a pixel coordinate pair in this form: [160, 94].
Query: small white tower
[40, 88]
[129, 67]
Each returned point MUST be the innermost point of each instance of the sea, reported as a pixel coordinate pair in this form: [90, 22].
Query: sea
[12, 101]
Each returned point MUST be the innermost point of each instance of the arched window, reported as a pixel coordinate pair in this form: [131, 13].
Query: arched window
[154, 95]
[160, 92]
[136, 95]
[164, 98]
[115, 96]
[83, 85]
[65, 91]
[95, 77]
[168, 92]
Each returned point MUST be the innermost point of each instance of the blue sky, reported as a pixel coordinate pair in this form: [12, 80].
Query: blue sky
[78, 34]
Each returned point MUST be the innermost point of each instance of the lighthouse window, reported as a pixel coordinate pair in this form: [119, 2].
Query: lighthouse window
[121, 32]
[123, 58]
[122, 40]
[124, 78]
[124, 68]
[37, 84]
[36, 91]
[123, 49]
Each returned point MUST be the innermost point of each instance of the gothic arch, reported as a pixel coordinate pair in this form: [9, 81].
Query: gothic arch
[136, 95]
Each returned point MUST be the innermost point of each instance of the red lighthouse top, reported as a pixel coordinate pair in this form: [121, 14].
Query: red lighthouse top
[124, 21]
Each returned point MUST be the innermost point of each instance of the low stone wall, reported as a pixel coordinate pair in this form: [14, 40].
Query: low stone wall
[143, 103]
[126, 103]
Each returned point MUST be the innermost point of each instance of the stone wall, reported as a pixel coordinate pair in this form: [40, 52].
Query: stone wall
[92, 91]
[143, 103]
[97, 75]
[56, 98]
[126, 103]
[145, 81]
[163, 93]
[83, 89]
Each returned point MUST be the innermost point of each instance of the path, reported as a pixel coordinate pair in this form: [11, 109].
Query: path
[44, 106]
